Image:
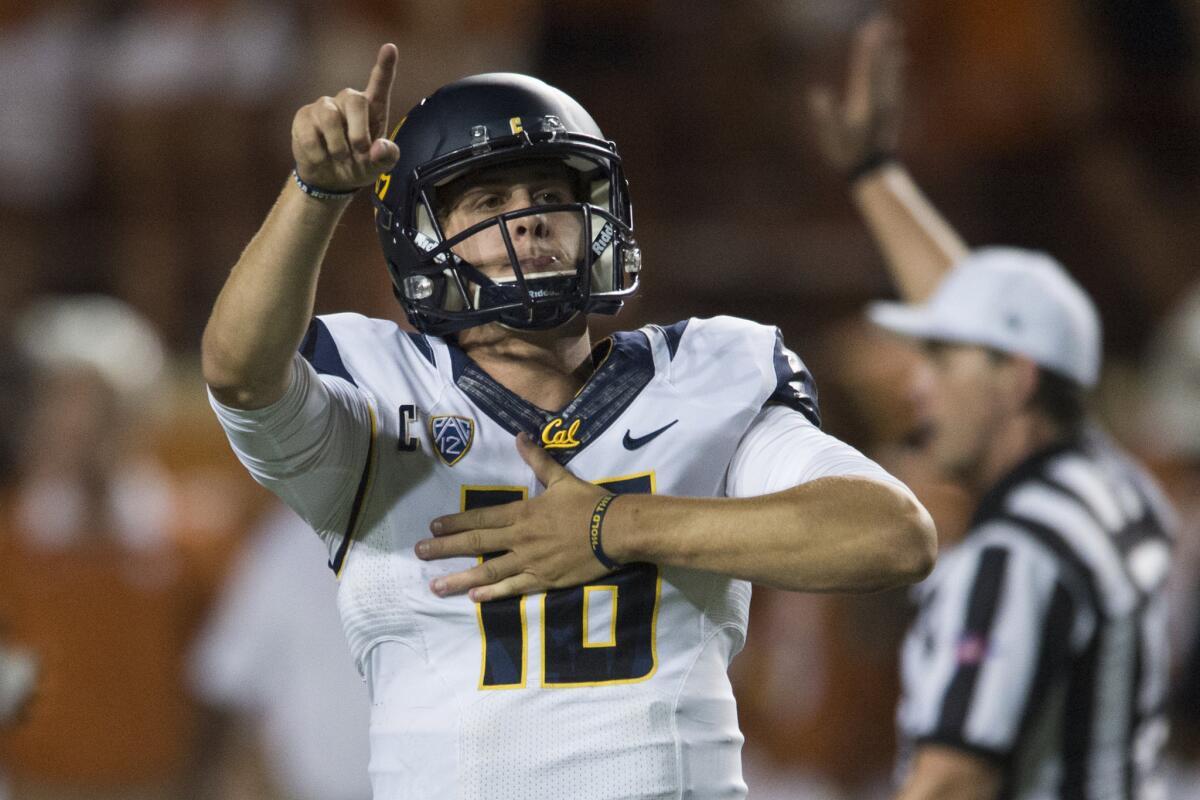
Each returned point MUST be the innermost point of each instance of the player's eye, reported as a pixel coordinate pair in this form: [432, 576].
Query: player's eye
[487, 202]
[550, 197]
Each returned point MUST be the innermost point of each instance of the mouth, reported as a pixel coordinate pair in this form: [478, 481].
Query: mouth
[538, 266]
[533, 264]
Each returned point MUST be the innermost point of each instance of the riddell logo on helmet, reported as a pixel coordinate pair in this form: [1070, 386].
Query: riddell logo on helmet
[604, 239]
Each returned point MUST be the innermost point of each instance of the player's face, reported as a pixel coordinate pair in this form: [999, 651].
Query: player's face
[545, 244]
[959, 400]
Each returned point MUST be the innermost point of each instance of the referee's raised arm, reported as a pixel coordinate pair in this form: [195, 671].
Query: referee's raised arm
[858, 134]
[266, 303]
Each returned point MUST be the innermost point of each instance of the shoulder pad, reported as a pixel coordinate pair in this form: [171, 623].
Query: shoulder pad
[741, 353]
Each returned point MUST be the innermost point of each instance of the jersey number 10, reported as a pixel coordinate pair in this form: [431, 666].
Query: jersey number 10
[625, 653]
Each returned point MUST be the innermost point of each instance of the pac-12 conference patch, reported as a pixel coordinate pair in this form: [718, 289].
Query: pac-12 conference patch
[452, 437]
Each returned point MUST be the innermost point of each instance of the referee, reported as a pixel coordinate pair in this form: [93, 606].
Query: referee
[1037, 665]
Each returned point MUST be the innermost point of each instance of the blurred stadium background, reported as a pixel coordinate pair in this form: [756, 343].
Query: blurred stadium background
[142, 142]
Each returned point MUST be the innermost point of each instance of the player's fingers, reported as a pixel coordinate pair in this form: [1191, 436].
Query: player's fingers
[307, 145]
[514, 586]
[331, 124]
[358, 126]
[383, 155]
[474, 519]
[489, 572]
[468, 543]
[379, 85]
[545, 468]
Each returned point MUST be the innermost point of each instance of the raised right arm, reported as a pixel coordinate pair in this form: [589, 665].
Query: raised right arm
[266, 303]
[858, 136]
[917, 242]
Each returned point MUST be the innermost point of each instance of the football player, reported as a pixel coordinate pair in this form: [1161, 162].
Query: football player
[545, 544]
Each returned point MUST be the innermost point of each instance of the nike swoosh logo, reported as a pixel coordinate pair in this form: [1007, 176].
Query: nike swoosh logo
[632, 443]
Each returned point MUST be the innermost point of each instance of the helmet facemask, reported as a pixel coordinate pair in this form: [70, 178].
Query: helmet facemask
[524, 265]
[529, 268]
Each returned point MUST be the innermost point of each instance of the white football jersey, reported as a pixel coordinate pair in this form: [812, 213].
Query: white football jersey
[616, 689]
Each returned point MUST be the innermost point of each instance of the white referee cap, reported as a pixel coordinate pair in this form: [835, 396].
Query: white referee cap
[94, 331]
[1015, 301]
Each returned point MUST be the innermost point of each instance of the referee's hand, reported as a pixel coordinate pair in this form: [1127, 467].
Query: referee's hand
[865, 120]
[339, 142]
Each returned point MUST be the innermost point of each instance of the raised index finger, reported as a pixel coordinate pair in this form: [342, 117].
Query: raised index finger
[379, 86]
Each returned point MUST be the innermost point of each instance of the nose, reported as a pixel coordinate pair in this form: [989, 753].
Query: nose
[921, 385]
[534, 225]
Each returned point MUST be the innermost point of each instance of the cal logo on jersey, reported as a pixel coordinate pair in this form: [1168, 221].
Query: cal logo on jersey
[557, 435]
[452, 437]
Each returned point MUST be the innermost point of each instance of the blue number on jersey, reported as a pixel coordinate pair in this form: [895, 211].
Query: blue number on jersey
[569, 659]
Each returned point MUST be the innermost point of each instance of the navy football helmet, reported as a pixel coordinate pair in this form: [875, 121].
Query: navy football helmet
[496, 120]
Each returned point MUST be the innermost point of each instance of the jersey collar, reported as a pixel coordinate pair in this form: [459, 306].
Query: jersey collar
[624, 366]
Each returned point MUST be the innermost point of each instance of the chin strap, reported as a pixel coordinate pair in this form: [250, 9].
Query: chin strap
[555, 299]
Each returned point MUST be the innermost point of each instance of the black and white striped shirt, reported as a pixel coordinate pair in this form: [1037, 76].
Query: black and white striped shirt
[1041, 639]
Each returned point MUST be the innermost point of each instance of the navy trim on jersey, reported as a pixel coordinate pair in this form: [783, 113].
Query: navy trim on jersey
[460, 362]
[509, 411]
[672, 334]
[795, 389]
[601, 352]
[981, 613]
[423, 345]
[617, 381]
[356, 508]
[319, 349]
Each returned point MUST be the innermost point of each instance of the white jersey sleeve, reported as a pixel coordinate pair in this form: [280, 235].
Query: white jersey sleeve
[782, 448]
[310, 447]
